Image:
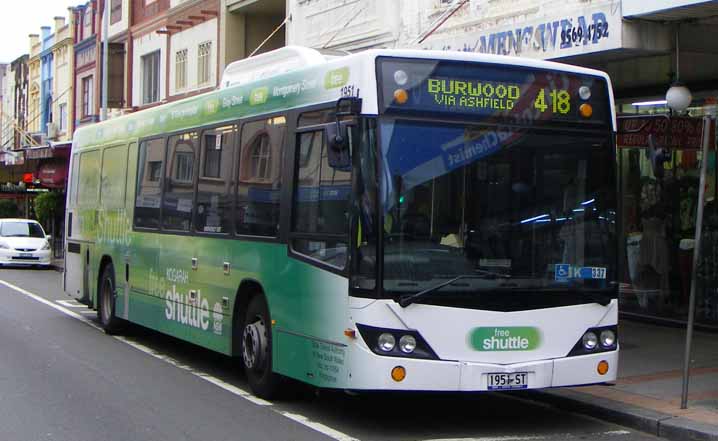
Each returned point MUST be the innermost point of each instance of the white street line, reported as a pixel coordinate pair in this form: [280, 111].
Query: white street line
[70, 304]
[321, 428]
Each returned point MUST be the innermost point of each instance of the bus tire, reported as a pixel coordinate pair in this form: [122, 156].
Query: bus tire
[110, 323]
[257, 349]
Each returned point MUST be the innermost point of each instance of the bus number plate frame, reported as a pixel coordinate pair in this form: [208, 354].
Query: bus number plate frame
[505, 381]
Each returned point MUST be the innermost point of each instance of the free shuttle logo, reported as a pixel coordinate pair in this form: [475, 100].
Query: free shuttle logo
[510, 338]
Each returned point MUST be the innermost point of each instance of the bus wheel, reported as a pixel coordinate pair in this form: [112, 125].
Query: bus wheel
[106, 302]
[257, 349]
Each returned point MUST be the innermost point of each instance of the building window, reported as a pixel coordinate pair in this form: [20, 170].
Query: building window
[181, 69]
[87, 23]
[86, 97]
[204, 67]
[151, 77]
[115, 11]
[63, 117]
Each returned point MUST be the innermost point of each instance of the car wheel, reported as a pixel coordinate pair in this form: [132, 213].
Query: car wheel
[257, 349]
[106, 304]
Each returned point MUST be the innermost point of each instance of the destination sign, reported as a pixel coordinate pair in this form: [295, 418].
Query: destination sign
[491, 92]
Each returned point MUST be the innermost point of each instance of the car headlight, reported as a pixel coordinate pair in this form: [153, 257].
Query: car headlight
[4, 246]
[46, 246]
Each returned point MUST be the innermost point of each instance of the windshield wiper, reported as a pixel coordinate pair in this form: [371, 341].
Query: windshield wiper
[480, 274]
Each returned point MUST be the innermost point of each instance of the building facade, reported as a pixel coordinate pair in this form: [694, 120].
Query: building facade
[61, 124]
[85, 70]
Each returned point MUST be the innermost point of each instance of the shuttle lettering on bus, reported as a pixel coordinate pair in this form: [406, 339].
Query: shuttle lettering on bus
[181, 308]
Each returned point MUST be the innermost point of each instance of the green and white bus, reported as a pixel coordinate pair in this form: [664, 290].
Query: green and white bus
[387, 220]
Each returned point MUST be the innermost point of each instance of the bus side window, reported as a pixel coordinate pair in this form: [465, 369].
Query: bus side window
[89, 179]
[149, 177]
[72, 199]
[213, 211]
[260, 176]
[179, 181]
[112, 182]
[321, 203]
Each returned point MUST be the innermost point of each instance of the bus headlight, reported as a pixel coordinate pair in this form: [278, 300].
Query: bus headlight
[590, 341]
[608, 338]
[386, 342]
[407, 344]
[595, 340]
[403, 343]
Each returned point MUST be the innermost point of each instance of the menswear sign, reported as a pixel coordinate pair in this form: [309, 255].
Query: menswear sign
[591, 29]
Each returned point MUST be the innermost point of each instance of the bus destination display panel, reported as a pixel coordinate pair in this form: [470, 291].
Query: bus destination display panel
[491, 93]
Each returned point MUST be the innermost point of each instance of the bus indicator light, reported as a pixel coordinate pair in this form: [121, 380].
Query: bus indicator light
[585, 110]
[350, 333]
[398, 373]
[602, 367]
[584, 92]
[401, 96]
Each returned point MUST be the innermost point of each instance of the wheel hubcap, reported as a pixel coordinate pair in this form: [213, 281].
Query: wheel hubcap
[255, 345]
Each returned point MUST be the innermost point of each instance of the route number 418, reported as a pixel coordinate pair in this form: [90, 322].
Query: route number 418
[560, 101]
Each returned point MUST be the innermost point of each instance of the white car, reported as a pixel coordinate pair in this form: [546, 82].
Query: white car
[23, 242]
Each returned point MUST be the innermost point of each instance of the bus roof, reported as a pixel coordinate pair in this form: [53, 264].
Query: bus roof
[321, 79]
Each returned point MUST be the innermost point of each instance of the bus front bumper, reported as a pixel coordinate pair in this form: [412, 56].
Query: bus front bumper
[373, 372]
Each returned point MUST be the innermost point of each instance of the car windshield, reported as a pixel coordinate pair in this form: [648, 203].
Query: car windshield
[21, 229]
[515, 208]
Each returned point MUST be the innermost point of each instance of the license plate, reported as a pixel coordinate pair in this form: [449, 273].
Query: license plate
[25, 254]
[514, 380]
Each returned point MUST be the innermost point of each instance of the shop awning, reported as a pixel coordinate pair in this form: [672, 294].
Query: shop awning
[53, 150]
[669, 10]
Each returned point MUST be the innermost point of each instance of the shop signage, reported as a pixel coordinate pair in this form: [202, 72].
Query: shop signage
[53, 175]
[676, 133]
[560, 34]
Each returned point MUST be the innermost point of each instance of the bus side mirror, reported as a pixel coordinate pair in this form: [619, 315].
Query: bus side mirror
[338, 154]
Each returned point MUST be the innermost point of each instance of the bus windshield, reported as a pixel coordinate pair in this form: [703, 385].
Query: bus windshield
[507, 208]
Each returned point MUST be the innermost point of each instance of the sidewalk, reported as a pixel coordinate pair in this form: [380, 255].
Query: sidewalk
[647, 394]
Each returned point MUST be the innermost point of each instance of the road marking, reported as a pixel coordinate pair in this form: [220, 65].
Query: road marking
[538, 437]
[318, 427]
[71, 304]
